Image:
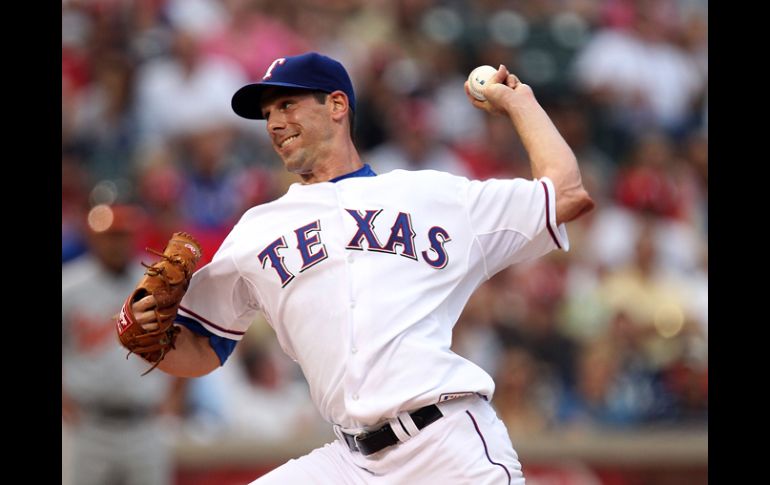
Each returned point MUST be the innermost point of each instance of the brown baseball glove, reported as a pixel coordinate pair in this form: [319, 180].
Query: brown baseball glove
[167, 280]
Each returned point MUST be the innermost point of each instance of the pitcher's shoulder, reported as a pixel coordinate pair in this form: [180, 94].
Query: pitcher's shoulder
[427, 176]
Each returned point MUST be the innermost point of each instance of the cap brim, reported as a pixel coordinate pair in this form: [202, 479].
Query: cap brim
[247, 101]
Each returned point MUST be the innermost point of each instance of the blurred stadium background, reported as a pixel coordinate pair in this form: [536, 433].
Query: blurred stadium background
[600, 355]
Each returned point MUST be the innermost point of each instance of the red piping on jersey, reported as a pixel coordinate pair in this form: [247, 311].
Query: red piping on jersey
[548, 216]
[233, 332]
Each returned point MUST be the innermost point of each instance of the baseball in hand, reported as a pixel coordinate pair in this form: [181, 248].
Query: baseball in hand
[478, 78]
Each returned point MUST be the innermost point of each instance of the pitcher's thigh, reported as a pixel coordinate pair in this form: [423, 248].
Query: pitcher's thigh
[322, 466]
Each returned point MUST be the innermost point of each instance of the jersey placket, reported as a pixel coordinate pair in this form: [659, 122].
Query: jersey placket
[353, 369]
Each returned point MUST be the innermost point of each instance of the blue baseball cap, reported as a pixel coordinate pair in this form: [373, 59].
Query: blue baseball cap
[311, 71]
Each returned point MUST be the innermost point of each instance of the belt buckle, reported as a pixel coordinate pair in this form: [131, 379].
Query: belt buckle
[360, 436]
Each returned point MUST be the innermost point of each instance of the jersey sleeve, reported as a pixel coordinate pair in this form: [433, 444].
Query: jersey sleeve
[219, 303]
[514, 220]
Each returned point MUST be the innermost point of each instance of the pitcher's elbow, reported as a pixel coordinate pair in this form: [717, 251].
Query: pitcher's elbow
[586, 203]
[574, 205]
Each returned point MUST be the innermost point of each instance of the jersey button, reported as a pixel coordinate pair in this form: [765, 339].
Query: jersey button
[355, 397]
[352, 304]
[354, 350]
[350, 257]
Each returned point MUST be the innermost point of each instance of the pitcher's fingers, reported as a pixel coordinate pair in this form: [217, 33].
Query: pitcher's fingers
[145, 317]
[144, 304]
[478, 104]
[512, 81]
[150, 326]
[500, 76]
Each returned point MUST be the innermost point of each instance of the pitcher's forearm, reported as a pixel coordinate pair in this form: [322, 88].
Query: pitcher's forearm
[550, 155]
[192, 357]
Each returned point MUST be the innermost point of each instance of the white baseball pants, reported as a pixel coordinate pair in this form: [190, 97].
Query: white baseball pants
[469, 445]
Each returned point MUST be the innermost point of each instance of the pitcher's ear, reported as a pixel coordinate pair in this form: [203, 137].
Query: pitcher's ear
[339, 103]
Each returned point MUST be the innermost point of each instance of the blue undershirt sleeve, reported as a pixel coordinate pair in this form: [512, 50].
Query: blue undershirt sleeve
[222, 346]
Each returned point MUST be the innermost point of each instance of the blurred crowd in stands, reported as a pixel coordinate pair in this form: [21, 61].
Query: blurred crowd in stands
[612, 333]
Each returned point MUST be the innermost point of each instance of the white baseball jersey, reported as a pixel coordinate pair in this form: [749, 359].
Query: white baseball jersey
[363, 279]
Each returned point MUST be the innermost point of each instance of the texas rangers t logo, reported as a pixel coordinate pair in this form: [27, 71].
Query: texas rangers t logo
[275, 63]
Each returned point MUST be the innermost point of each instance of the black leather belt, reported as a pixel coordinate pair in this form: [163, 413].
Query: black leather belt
[370, 442]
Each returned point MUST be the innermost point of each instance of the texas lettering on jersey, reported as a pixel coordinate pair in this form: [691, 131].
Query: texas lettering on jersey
[313, 251]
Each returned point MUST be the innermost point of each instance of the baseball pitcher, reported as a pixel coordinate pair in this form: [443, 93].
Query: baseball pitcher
[363, 275]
